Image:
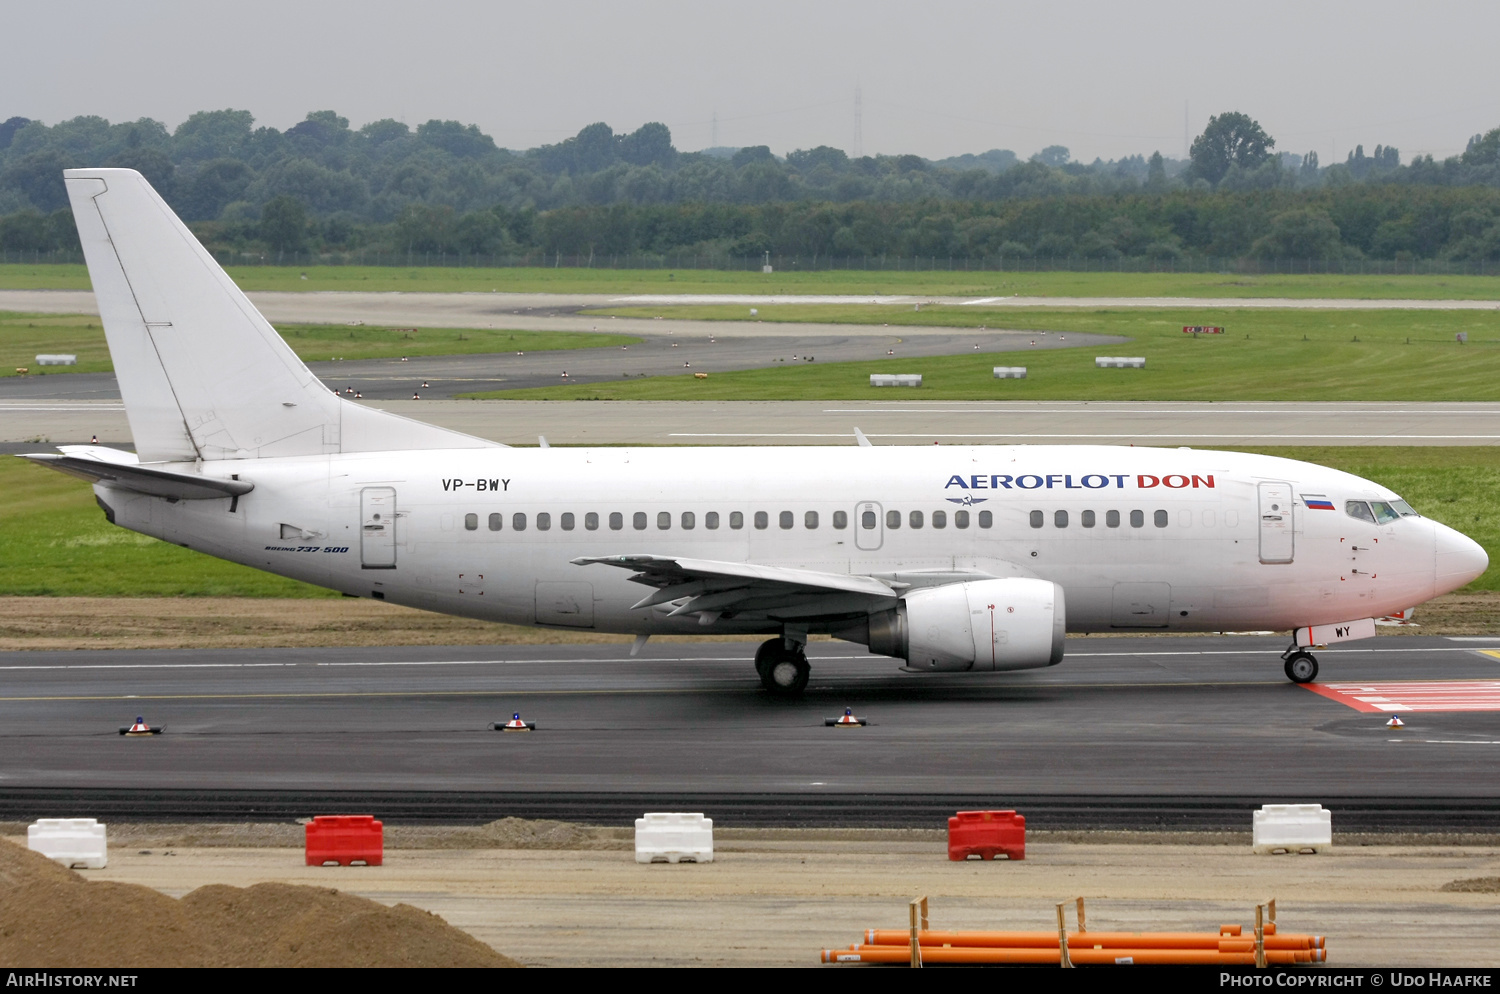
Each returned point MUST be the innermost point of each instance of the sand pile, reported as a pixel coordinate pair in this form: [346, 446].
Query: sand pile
[52, 917]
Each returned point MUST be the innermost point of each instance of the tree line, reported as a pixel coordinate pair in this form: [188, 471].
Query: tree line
[387, 190]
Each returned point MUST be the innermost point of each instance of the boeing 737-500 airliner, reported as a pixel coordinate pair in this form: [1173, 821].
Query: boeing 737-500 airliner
[952, 558]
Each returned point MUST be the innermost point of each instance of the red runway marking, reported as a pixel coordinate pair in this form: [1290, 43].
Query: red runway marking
[1414, 695]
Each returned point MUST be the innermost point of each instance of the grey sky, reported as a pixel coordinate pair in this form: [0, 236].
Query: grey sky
[938, 78]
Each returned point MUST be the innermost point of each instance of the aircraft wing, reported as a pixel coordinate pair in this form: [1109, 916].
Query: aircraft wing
[708, 587]
[114, 470]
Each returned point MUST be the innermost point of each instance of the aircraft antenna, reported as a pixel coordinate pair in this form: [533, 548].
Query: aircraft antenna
[859, 122]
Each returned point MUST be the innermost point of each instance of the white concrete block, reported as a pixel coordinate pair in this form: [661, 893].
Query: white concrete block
[57, 360]
[1120, 362]
[672, 837]
[70, 841]
[1010, 372]
[895, 379]
[1292, 828]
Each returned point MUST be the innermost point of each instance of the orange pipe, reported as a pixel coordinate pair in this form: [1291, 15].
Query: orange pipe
[1085, 957]
[1109, 940]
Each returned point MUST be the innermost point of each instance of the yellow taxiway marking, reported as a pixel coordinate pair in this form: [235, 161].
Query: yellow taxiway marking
[1490, 652]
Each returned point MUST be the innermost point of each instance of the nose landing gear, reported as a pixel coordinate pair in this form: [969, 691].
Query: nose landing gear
[1301, 665]
[783, 670]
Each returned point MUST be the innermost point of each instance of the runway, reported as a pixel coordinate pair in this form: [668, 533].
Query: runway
[1125, 732]
[657, 354]
[886, 422]
[468, 310]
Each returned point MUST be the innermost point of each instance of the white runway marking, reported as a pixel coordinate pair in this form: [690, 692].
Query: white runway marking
[1089, 434]
[151, 666]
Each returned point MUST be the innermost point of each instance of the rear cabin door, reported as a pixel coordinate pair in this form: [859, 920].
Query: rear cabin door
[377, 532]
[1276, 532]
[869, 526]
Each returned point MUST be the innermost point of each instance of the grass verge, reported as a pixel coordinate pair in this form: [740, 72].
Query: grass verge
[24, 276]
[1263, 355]
[24, 336]
[54, 541]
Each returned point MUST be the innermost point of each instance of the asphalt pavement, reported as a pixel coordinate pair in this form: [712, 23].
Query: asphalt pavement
[1176, 717]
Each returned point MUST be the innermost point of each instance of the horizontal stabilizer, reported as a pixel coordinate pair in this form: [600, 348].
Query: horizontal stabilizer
[143, 479]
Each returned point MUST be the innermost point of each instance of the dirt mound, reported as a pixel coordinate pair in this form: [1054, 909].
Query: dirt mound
[52, 917]
[1474, 885]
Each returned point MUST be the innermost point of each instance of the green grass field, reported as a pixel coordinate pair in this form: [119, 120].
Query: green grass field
[1264, 355]
[54, 540]
[24, 336]
[21, 276]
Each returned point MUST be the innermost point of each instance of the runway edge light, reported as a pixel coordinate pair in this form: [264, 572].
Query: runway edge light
[514, 725]
[845, 720]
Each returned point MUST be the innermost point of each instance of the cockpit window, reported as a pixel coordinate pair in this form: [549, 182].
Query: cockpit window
[1404, 509]
[1359, 509]
[1384, 513]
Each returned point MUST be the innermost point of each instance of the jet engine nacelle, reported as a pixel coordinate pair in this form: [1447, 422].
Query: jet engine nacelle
[1010, 624]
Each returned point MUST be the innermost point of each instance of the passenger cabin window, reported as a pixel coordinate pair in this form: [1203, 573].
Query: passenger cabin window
[518, 521]
[762, 520]
[736, 519]
[810, 520]
[471, 522]
[711, 519]
[867, 520]
[689, 520]
[1037, 518]
[1086, 519]
[1060, 519]
[940, 519]
[960, 519]
[591, 521]
[840, 519]
[1137, 519]
[543, 521]
[638, 521]
[914, 519]
[893, 519]
[1112, 519]
[663, 520]
[1159, 518]
[616, 521]
[787, 519]
[567, 521]
[495, 521]
[986, 519]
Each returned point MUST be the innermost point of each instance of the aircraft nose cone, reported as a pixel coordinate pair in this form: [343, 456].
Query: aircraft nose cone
[1459, 559]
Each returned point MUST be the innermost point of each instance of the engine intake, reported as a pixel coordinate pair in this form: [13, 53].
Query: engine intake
[983, 625]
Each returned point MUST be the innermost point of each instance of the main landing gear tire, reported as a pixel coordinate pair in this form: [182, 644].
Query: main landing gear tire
[1301, 667]
[783, 672]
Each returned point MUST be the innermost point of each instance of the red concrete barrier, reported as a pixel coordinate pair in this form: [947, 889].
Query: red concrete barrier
[987, 834]
[345, 840]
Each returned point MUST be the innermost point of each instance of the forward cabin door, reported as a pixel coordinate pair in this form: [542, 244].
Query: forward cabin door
[377, 531]
[1276, 532]
[869, 526]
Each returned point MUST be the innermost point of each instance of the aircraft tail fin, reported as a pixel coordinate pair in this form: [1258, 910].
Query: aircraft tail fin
[202, 373]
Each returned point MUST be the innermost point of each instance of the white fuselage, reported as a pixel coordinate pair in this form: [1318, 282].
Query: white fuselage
[1138, 538]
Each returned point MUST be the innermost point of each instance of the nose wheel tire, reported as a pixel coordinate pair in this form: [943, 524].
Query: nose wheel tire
[783, 672]
[1301, 667]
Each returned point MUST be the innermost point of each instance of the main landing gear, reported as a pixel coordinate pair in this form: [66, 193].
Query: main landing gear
[1301, 665]
[783, 669]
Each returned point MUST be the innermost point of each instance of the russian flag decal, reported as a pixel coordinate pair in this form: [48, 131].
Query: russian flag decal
[1317, 502]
